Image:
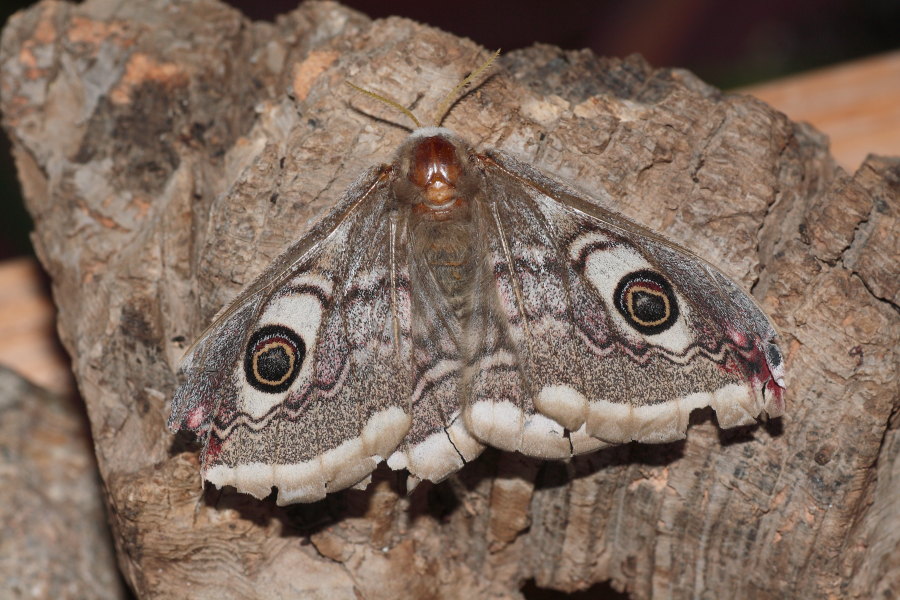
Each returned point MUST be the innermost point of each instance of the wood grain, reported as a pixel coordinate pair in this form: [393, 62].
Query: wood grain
[56, 541]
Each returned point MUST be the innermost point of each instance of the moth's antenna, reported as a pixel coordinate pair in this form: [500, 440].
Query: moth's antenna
[450, 98]
[387, 101]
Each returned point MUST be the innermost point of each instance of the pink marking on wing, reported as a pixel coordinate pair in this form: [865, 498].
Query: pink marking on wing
[771, 383]
[739, 338]
[195, 417]
[212, 450]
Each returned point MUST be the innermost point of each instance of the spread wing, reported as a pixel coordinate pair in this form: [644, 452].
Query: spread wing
[303, 382]
[610, 333]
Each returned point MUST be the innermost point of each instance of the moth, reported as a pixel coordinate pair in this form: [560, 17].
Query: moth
[455, 299]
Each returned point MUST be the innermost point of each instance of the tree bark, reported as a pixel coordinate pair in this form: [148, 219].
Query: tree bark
[169, 150]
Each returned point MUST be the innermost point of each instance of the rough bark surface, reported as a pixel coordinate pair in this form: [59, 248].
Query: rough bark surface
[55, 541]
[169, 150]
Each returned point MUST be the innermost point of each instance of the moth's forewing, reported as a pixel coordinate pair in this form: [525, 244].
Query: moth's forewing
[301, 382]
[654, 331]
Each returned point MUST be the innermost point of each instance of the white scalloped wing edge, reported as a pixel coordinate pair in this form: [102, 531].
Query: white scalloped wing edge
[499, 424]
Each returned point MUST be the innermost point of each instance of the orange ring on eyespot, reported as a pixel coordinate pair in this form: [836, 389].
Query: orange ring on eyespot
[646, 301]
[271, 347]
[273, 358]
[638, 289]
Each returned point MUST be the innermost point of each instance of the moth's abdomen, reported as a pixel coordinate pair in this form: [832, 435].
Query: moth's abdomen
[446, 249]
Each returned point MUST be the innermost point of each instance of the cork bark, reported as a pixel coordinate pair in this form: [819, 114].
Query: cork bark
[169, 150]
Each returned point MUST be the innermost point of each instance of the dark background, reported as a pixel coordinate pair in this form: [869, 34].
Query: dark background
[726, 43]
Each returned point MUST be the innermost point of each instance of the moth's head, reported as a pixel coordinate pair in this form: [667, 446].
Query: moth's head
[434, 173]
[433, 164]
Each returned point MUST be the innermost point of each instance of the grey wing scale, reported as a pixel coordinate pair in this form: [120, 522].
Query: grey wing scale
[620, 334]
[303, 382]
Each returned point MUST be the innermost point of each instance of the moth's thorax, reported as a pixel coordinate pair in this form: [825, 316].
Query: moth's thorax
[435, 173]
[435, 168]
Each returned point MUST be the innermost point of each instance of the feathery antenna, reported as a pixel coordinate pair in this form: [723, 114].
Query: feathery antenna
[447, 102]
[452, 97]
[388, 101]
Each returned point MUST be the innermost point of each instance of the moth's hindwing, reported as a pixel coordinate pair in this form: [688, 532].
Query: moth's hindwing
[518, 281]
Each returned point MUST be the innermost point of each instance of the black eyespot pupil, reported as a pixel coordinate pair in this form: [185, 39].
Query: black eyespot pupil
[648, 307]
[646, 301]
[273, 364]
[273, 358]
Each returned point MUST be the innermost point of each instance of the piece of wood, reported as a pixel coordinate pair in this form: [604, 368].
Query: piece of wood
[857, 104]
[168, 151]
